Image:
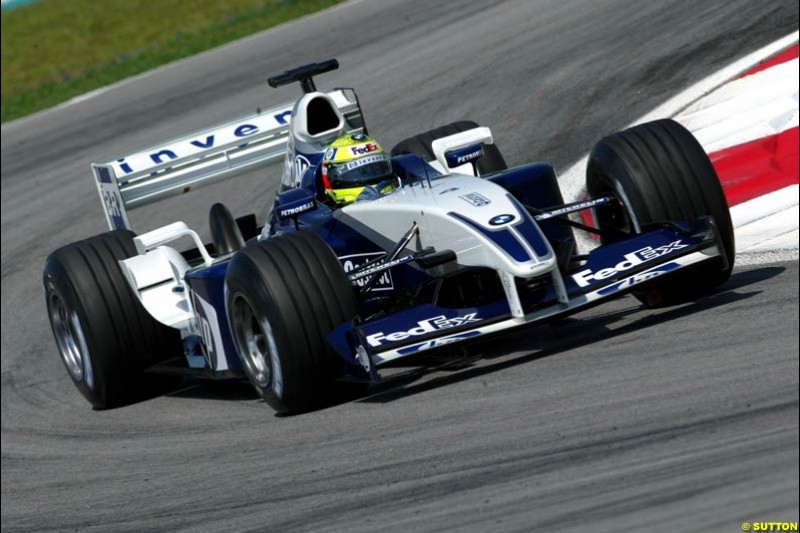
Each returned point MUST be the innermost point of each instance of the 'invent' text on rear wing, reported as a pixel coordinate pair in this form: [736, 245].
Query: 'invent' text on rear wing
[203, 158]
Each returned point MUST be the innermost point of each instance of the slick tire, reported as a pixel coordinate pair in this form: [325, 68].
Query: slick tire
[421, 145]
[285, 295]
[105, 337]
[659, 172]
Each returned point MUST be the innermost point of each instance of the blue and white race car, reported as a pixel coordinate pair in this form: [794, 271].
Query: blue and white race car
[317, 298]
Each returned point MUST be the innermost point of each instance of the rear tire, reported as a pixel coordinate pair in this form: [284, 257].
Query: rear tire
[104, 335]
[422, 145]
[659, 172]
[285, 295]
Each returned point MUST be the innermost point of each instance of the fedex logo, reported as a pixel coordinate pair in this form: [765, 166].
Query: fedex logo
[584, 278]
[363, 149]
[423, 327]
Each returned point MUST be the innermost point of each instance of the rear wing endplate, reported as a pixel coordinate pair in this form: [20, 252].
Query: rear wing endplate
[185, 164]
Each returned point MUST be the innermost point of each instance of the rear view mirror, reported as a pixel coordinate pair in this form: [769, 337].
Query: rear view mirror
[460, 148]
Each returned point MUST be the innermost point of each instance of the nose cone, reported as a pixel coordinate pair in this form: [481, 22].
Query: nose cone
[514, 239]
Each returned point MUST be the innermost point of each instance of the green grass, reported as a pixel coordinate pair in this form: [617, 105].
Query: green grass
[53, 50]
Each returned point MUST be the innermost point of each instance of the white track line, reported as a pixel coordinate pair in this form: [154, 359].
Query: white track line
[768, 222]
[746, 109]
[764, 206]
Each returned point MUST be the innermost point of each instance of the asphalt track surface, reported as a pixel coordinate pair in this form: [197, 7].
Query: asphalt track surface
[620, 419]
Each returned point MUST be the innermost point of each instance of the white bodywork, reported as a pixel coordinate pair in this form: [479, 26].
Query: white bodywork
[157, 275]
[301, 140]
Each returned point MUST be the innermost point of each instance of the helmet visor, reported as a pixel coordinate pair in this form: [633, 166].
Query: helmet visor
[364, 171]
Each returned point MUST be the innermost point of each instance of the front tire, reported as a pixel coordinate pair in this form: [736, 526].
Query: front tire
[285, 295]
[658, 172]
[104, 336]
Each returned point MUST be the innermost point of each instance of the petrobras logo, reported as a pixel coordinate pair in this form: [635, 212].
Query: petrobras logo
[363, 149]
[356, 261]
[463, 155]
[300, 209]
[466, 158]
[423, 327]
[584, 278]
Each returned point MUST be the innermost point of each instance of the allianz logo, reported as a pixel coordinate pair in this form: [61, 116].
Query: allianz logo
[354, 262]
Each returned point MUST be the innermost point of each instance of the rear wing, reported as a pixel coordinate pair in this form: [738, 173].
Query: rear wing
[187, 163]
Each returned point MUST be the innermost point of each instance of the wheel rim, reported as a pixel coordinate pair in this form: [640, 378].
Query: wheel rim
[71, 340]
[254, 341]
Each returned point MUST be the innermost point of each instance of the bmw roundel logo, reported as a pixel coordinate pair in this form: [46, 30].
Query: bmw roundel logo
[501, 219]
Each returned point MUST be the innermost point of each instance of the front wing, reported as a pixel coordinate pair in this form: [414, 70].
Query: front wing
[609, 271]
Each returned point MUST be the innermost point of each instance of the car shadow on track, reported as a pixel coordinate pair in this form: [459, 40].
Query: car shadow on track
[232, 390]
[545, 341]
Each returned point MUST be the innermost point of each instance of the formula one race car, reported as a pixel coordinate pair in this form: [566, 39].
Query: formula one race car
[320, 296]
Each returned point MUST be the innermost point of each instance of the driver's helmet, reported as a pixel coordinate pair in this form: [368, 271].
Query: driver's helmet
[352, 163]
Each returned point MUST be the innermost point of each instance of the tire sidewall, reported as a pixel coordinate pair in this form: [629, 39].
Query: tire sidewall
[58, 283]
[121, 338]
[257, 297]
[245, 279]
